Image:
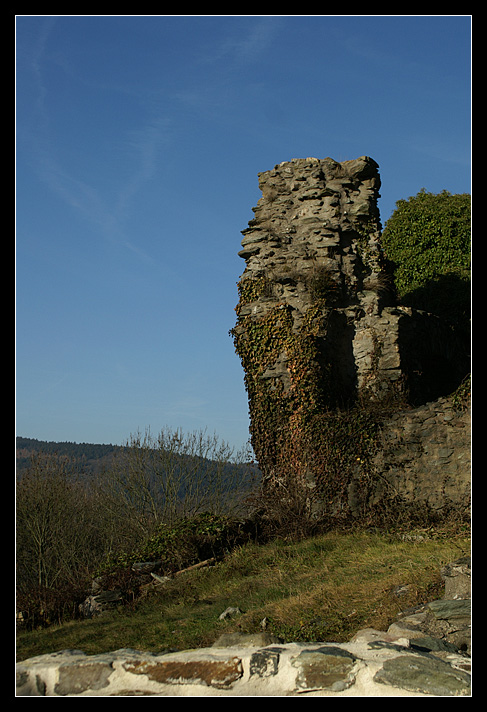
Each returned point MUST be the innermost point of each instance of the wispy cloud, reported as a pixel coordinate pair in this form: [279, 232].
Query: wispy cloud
[246, 44]
[250, 47]
[144, 144]
[140, 148]
[242, 44]
[87, 201]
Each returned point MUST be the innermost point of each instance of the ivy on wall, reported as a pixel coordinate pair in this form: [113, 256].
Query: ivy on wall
[306, 452]
[260, 341]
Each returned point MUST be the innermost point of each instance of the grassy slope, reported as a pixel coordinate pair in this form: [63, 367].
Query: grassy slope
[325, 588]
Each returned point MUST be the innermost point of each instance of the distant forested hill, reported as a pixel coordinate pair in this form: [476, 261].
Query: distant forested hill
[91, 457]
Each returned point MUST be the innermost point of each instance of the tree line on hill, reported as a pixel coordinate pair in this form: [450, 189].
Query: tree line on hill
[91, 456]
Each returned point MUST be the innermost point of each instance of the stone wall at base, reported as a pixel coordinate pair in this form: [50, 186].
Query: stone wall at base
[425, 653]
[376, 668]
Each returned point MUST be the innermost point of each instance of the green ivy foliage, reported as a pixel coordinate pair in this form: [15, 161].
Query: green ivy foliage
[306, 452]
[427, 240]
[259, 341]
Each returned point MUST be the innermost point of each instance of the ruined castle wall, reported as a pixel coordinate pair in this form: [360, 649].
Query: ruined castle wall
[318, 327]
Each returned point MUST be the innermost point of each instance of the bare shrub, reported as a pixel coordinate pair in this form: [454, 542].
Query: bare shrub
[173, 476]
[59, 537]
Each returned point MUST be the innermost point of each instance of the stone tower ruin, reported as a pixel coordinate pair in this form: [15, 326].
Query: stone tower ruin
[318, 327]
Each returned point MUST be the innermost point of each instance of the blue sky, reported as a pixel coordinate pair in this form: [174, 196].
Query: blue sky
[138, 143]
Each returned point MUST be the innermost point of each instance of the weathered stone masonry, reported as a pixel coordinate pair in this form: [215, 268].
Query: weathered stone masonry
[314, 241]
[318, 326]
[424, 457]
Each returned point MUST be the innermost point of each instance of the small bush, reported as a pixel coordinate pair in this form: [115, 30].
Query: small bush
[185, 543]
[323, 286]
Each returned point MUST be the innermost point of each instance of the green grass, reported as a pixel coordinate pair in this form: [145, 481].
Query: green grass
[324, 588]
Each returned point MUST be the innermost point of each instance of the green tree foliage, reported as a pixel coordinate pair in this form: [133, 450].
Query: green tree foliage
[427, 241]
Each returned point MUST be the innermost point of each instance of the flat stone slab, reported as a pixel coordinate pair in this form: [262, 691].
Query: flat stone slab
[423, 674]
[324, 668]
[448, 609]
